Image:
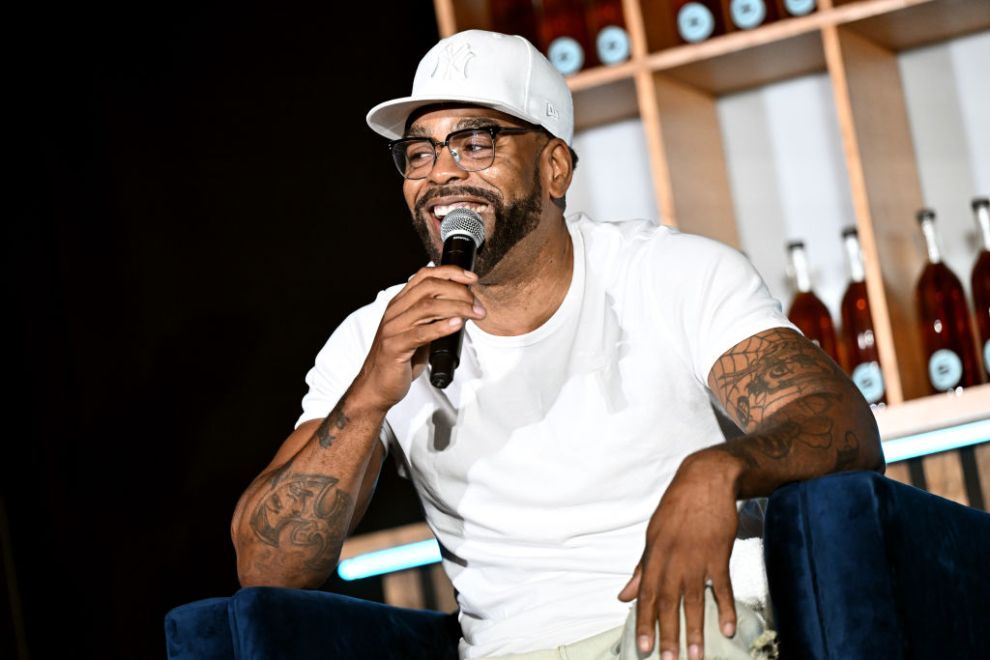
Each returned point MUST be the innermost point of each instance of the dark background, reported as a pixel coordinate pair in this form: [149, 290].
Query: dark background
[196, 203]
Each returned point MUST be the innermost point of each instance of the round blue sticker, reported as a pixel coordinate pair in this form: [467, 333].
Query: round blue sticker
[799, 7]
[869, 380]
[695, 22]
[944, 369]
[747, 14]
[612, 44]
[566, 55]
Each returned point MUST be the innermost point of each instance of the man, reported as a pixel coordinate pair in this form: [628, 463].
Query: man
[574, 465]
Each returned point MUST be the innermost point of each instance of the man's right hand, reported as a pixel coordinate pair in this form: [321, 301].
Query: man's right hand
[433, 303]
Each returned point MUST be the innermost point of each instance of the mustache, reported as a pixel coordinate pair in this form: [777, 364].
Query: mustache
[467, 191]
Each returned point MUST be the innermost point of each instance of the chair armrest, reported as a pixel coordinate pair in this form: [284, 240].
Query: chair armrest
[199, 630]
[277, 622]
[862, 566]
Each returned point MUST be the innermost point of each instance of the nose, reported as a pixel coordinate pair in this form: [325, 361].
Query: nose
[445, 168]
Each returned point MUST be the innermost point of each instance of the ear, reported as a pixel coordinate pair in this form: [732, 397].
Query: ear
[558, 167]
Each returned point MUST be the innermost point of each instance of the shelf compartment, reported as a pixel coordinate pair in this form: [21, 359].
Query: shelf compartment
[742, 61]
[603, 102]
[922, 23]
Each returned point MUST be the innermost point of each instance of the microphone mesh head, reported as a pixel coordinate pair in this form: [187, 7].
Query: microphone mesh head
[464, 222]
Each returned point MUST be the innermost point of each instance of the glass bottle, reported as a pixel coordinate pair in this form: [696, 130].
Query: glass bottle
[564, 36]
[697, 20]
[980, 279]
[943, 319]
[607, 29]
[807, 311]
[748, 14]
[515, 17]
[862, 361]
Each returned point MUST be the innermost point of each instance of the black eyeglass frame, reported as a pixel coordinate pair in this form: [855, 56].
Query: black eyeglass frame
[494, 130]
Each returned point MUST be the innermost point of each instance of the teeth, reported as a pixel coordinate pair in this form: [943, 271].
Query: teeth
[441, 211]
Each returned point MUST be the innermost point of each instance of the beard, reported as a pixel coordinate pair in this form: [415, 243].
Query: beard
[513, 222]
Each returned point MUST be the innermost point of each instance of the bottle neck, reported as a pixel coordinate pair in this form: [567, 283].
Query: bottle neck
[931, 241]
[799, 263]
[983, 220]
[854, 257]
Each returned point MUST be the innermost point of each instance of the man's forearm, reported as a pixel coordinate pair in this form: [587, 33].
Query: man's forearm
[821, 433]
[291, 522]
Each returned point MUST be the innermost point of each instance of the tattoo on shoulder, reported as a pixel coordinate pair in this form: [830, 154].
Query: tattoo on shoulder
[305, 512]
[333, 424]
[766, 371]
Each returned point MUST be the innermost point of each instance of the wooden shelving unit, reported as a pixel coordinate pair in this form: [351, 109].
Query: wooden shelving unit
[673, 89]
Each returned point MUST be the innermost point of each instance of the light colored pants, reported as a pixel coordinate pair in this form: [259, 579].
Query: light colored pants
[753, 639]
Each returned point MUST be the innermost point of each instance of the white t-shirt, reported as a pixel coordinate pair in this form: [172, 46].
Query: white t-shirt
[540, 465]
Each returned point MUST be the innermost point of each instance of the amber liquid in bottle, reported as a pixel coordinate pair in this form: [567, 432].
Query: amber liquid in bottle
[607, 29]
[564, 36]
[980, 280]
[697, 20]
[515, 17]
[862, 361]
[807, 311]
[943, 319]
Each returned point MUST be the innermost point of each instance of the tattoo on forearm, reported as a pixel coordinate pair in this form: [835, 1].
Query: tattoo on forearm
[305, 512]
[335, 423]
[805, 422]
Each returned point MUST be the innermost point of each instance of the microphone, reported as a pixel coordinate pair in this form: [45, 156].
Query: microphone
[463, 233]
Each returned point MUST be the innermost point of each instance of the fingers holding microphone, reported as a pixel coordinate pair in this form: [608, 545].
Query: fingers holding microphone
[425, 321]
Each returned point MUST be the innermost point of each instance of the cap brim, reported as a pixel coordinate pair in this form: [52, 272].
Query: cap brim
[389, 118]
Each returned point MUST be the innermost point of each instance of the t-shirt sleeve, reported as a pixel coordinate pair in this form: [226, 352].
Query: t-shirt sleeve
[723, 301]
[339, 361]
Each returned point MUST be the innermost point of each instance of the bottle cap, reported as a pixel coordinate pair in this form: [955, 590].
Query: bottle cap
[925, 214]
[980, 201]
[849, 231]
[794, 244]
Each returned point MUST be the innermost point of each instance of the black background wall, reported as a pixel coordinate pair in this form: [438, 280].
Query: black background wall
[195, 202]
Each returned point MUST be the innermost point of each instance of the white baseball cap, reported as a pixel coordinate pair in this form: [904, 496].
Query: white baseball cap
[499, 71]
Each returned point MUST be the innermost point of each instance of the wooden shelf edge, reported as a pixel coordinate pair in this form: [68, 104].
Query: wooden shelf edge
[933, 412]
[603, 75]
[784, 29]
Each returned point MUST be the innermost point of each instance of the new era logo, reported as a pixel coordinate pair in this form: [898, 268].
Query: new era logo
[552, 111]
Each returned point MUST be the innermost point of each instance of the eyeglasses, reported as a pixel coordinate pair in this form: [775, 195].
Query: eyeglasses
[473, 150]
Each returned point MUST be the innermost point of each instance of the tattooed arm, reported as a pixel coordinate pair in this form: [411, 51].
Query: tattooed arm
[801, 414]
[802, 418]
[290, 523]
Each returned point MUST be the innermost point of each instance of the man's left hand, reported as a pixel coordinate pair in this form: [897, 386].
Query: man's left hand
[688, 543]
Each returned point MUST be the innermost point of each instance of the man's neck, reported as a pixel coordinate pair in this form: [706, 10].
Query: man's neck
[533, 287]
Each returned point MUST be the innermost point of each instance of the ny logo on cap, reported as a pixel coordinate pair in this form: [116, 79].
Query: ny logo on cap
[453, 61]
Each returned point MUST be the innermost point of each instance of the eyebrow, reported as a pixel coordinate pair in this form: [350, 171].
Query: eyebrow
[468, 122]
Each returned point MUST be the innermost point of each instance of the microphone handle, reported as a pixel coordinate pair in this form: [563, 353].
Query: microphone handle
[445, 352]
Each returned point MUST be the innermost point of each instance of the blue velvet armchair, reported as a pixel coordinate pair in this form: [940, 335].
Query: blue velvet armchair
[859, 566]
